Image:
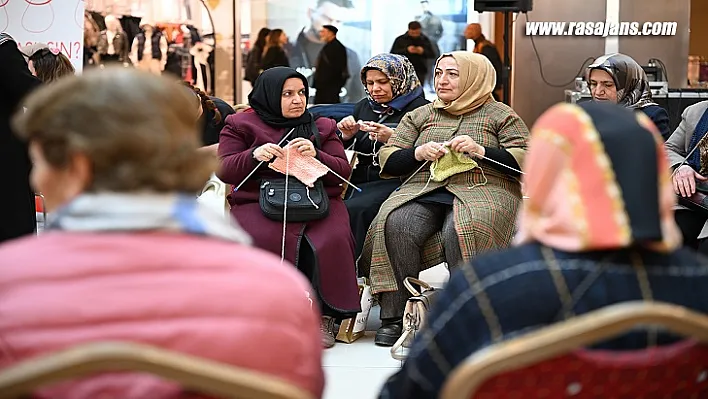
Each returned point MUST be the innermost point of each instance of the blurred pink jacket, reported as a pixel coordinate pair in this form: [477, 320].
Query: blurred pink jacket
[200, 296]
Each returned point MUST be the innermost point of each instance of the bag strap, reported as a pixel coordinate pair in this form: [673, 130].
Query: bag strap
[210, 185]
[383, 118]
[399, 344]
[316, 134]
[409, 281]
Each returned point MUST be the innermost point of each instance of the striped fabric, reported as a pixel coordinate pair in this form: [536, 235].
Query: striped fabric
[4, 38]
[486, 201]
[505, 294]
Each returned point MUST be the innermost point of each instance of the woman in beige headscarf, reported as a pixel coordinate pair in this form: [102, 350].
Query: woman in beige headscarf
[450, 207]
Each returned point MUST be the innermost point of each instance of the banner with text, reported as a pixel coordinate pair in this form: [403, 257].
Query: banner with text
[58, 23]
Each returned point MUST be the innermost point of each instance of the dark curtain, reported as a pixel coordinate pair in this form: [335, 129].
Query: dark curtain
[131, 26]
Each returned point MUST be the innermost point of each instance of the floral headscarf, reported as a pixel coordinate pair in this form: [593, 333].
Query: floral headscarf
[632, 84]
[404, 82]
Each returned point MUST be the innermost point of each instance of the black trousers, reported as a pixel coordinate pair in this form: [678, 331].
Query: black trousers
[691, 223]
[364, 206]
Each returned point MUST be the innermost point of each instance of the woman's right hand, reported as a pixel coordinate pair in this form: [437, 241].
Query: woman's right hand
[685, 181]
[266, 152]
[430, 151]
[348, 126]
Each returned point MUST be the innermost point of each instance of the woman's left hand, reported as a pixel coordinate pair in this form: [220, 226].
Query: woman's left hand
[465, 144]
[304, 147]
[377, 131]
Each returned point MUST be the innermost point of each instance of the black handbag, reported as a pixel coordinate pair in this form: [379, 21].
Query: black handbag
[305, 204]
[698, 202]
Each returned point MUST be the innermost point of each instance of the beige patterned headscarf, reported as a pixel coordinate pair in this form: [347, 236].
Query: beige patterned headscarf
[477, 81]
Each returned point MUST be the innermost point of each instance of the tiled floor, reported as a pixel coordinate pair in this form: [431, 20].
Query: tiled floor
[359, 370]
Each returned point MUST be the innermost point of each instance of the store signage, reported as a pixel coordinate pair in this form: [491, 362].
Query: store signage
[58, 23]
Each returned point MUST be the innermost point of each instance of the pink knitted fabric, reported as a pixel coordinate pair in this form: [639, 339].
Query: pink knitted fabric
[304, 168]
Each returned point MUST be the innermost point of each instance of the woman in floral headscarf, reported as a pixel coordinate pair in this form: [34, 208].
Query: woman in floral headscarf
[617, 78]
[392, 89]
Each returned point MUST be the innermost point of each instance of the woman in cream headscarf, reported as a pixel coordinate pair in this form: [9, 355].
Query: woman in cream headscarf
[450, 208]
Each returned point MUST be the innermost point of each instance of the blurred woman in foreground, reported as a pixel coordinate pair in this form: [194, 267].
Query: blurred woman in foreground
[129, 254]
[598, 229]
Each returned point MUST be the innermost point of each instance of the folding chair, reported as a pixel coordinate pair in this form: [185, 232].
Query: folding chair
[550, 363]
[194, 374]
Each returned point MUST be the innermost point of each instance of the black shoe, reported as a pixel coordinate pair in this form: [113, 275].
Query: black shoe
[389, 332]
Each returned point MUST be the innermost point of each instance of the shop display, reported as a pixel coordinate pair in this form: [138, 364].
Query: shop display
[149, 50]
[158, 47]
[113, 42]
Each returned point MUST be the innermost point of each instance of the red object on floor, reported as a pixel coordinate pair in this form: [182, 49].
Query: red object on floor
[678, 371]
[38, 203]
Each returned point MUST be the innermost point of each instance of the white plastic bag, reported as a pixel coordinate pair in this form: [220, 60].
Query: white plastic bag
[213, 196]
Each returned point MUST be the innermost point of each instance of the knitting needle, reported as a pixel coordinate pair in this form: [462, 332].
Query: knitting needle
[411, 176]
[474, 153]
[498, 163]
[343, 179]
[261, 162]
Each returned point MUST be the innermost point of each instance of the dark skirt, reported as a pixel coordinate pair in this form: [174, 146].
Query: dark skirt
[323, 250]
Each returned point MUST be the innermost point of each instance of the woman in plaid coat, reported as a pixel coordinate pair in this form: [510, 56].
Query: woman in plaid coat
[450, 208]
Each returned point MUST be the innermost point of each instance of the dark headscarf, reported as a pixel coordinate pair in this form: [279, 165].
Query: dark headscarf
[586, 192]
[632, 84]
[265, 100]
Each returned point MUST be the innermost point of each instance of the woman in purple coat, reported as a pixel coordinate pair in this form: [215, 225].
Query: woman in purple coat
[322, 249]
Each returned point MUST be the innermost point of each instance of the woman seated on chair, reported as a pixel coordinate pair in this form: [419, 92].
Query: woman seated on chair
[690, 174]
[461, 156]
[392, 89]
[617, 78]
[212, 113]
[321, 248]
[596, 230]
[129, 255]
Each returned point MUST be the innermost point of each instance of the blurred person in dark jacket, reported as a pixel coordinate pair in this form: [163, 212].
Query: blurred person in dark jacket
[17, 210]
[489, 50]
[253, 61]
[304, 52]
[331, 68]
[416, 47]
[274, 54]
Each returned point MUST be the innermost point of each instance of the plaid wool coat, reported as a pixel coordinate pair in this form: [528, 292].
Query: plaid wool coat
[486, 200]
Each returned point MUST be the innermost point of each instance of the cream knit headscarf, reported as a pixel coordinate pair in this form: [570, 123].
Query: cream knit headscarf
[477, 81]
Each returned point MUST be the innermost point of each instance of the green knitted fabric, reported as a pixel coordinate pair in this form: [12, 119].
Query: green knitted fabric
[451, 164]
